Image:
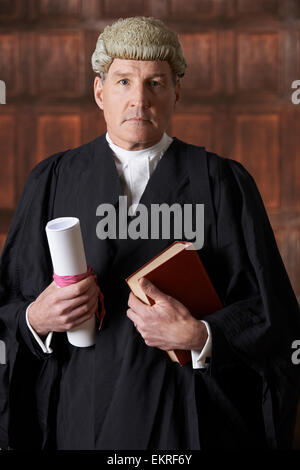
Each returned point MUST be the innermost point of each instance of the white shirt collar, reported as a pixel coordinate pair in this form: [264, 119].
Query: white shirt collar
[155, 150]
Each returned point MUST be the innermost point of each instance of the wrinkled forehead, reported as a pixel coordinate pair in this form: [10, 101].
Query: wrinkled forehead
[144, 67]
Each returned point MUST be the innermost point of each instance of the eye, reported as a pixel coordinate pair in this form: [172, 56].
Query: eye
[123, 81]
[154, 83]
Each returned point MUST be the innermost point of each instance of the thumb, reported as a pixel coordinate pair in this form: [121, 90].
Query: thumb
[150, 289]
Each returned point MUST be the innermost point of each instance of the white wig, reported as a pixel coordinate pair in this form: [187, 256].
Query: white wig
[138, 38]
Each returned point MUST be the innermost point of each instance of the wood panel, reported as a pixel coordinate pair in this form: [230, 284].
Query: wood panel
[265, 7]
[91, 38]
[9, 63]
[258, 62]
[200, 53]
[57, 133]
[159, 9]
[11, 9]
[7, 162]
[297, 56]
[59, 64]
[193, 9]
[57, 7]
[115, 8]
[290, 160]
[194, 129]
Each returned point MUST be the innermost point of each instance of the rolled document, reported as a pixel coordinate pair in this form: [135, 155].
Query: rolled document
[68, 259]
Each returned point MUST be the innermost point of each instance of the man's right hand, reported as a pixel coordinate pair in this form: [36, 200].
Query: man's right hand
[61, 309]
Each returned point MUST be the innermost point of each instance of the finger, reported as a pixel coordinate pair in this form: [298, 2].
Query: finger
[151, 290]
[79, 316]
[136, 304]
[75, 290]
[133, 317]
[81, 309]
[91, 312]
[67, 305]
[87, 296]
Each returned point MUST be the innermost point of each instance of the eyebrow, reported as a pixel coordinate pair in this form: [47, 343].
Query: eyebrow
[128, 74]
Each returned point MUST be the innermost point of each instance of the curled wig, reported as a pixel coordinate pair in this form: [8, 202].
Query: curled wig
[138, 38]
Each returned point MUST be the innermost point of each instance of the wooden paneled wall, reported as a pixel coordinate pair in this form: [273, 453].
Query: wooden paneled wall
[243, 56]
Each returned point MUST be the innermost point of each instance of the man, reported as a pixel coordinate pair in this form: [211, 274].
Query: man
[241, 388]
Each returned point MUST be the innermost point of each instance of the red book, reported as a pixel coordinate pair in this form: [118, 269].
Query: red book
[179, 272]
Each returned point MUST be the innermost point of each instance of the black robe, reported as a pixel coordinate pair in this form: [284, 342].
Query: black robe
[120, 393]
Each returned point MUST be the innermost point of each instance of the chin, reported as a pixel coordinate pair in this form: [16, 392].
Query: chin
[139, 136]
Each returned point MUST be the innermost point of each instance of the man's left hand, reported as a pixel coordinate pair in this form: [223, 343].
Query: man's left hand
[167, 324]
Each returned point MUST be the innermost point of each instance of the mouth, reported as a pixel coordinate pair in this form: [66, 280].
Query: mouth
[137, 120]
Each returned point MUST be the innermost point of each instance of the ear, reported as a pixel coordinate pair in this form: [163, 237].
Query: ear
[98, 92]
[177, 92]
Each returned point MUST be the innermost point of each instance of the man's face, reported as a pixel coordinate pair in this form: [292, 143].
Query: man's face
[137, 98]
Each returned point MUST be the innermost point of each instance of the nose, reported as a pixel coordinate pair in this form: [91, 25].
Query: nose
[140, 96]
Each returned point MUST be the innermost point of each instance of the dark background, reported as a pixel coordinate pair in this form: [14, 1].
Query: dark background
[242, 57]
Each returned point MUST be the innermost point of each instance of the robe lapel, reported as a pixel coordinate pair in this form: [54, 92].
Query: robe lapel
[168, 178]
[105, 174]
[164, 184]
[168, 184]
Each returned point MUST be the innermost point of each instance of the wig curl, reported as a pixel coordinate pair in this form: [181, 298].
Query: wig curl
[138, 38]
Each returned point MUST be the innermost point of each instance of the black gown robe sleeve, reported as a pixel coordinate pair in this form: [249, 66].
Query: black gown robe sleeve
[251, 378]
[25, 272]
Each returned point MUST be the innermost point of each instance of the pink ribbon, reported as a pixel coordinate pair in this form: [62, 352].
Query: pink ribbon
[63, 281]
